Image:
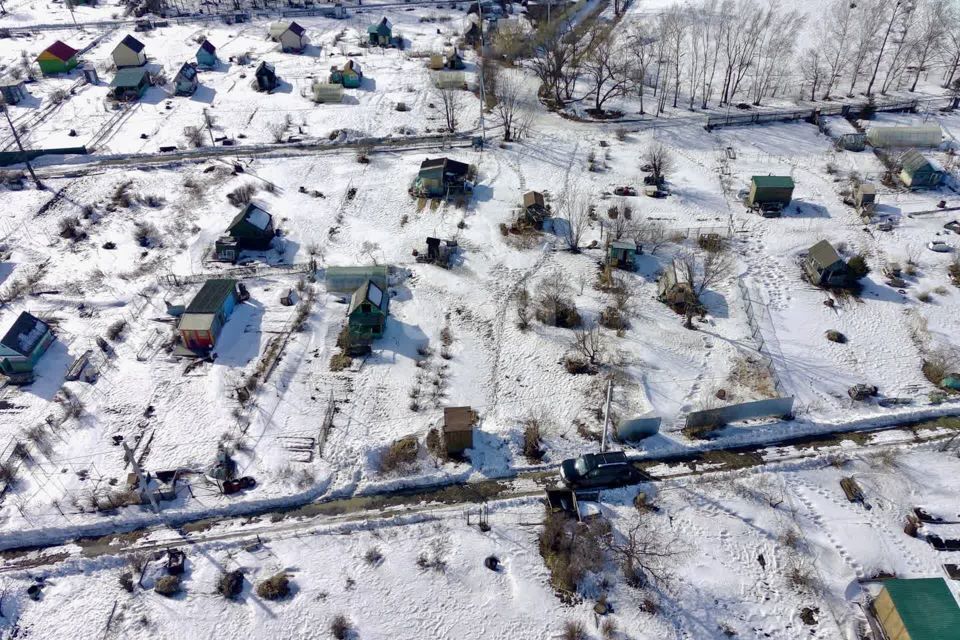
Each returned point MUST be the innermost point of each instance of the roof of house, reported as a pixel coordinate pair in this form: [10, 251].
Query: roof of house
[266, 67]
[211, 296]
[25, 334]
[207, 46]
[624, 243]
[129, 77]
[253, 214]
[352, 65]
[187, 71]
[61, 50]
[912, 161]
[926, 606]
[823, 254]
[131, 43]
[449, 166]
[297, 29]
[369, 292]
[531, 198]
[277, 29]
[773, 182]
[458, 418]
[380, 27]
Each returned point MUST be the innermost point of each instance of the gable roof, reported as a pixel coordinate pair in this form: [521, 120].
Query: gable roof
[352, 65]
[211, 296]
[369, 292]
[926, 607]
[61, 51]
[27, 331]
[207, 46]
[131, 43]
[912, 161]
[382, 28]
[265, 67]
[773, 182]
[296, 28]
[187, 71]
[129, 77]
[459, 418]
[823, 254]
[254, 214]
[449, 166]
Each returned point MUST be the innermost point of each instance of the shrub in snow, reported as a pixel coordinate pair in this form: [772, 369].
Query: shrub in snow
[230, 584]
[167, 585]
[340, 627]
[400, 454]
[836, 336]
[858, 266]
[574, 630]
[242, 194]
[274, 587]
[531, 442]
[126, 581]
[116, 329]
[373, 556]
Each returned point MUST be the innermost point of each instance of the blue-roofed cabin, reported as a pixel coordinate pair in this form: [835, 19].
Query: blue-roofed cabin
[24, 344]
[186, 81]
[207, 55]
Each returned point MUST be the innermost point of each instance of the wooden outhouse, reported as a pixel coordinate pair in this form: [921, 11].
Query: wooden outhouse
[622, 253]
[266, 77]
[12, 91]
[129, 53]
[458, 426]
[205, 316]
[865, 197]
[57, 58]
[23, 345]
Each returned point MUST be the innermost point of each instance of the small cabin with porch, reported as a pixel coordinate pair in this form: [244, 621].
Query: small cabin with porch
[291, 36]
[23, 345]
[130, 83]
[350, 75]
[441, 176]
[458, 428]
[251, 229]
[622, 253]
[824, 266]
[207, 55]
[266, 77]
[204, 318]
[129, 53]
[381, 33]
[185, 82]
[57, 58]
[367, 315]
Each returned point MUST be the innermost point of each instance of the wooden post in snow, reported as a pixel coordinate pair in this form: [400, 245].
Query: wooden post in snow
[606, 417]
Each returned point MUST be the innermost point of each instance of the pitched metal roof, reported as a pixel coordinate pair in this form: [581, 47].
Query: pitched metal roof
[773, 182]
[132, 43]
[458, 418]
[212, 295]
[449, 166]
[926, 606]
[624, 243]
[383, 27]
[254, 214]
[25, 334]
[207, 46]
[531, 198]
[297, 29]
[823, 254]
[912, 161]
[265, 67]
[61, 50]
[352, 65]
[128, 77]
[187, 71]
[369, 292]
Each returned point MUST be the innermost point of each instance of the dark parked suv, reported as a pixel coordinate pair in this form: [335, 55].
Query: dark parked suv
[599, 470]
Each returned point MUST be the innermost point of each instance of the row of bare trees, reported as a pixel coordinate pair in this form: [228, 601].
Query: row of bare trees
[721, 52]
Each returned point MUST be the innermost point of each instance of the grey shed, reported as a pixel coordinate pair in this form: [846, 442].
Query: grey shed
[824, 266]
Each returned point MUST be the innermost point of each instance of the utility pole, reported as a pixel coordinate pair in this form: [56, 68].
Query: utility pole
[606, 417]
[16, 136]
[483, 96]
[209, 122]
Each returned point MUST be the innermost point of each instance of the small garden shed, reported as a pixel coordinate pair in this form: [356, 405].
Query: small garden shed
[441, 176]
[350, 75]
[622, 253]
[57, 58]
[12, 91]
[130, 83]
[185, 82]
[458, 424]
[381, 33]
[917, 609]
[266, 77]
[129, 53]
[204, 317]
[824, 266]
[367, 315]
[918, 171]
[24, 344]
[291, 36]
[207, 55]
[770, 191]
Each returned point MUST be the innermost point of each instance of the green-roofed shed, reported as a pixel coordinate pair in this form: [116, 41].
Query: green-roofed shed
[770, 190]
[130, 83]
[205, 316]
[367, 315]
[918, 609]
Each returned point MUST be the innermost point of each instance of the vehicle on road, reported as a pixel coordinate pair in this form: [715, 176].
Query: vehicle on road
[599, 470]
[939, 246]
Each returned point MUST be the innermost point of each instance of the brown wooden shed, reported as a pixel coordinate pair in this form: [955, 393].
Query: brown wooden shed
[458, 423]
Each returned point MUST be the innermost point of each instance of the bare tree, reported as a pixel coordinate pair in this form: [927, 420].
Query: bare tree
[935, 19]
[892, 11]
[511, 109]
[556, 59]
[645, 555]
[834, 43]
[642, 45]
[523, 308]
[814, 70]
[648, 234]
[659, 160]
[701, 274]
[451, 101]
[589, 343]
[605, 65]
[574, 207]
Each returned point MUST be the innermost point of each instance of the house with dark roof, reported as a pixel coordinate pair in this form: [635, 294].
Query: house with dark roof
[57, 58]
[917, 171]
[770, 193]
[381, 33]
[23, 345]
[917, 609]
[207, 55]
[250, 229]
[185, 82]
[130, 83]
[367, 314]
[129, 53]
[824, 266]
[207, 313]
[441, 176]
[350, 75]
[265, 77]
[291, 36]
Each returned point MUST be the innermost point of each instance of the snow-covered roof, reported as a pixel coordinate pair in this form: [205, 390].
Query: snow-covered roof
[254, 215]
[27, 331]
